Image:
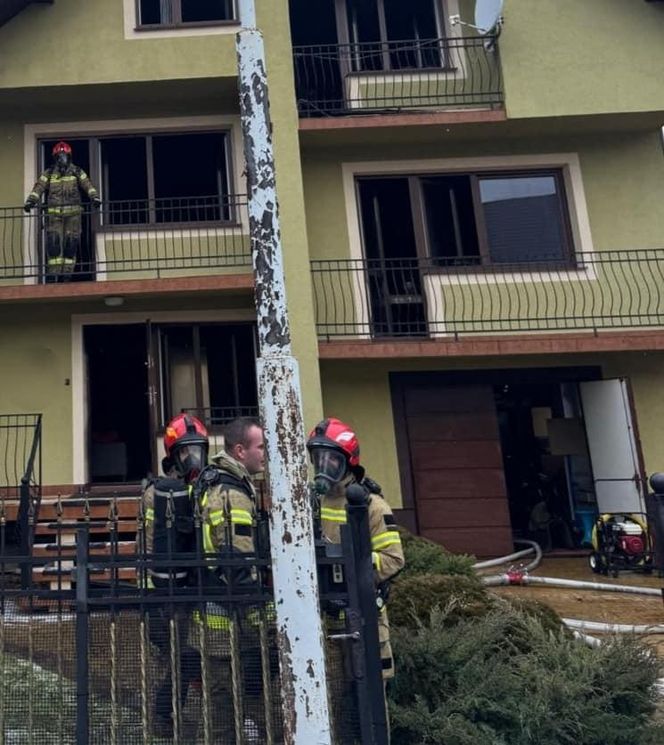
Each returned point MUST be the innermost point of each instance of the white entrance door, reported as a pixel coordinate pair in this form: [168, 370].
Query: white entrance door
[613, 445]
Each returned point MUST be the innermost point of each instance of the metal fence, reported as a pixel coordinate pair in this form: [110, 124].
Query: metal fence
[20, 478]
[146, 238]
[367, 298]
[92, 652]
[456, 72]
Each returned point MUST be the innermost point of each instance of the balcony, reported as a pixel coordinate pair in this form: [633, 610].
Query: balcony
[362, 78]
[439, 300]
[132, 240]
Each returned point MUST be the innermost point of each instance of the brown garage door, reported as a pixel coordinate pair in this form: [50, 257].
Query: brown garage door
[457, 468]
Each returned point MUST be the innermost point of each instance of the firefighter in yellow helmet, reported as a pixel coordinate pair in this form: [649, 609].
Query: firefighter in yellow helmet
[334, 451]
[63, 184]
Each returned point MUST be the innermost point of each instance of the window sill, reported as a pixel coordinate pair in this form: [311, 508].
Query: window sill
[534, 267]
[167, 226]
[148, 27]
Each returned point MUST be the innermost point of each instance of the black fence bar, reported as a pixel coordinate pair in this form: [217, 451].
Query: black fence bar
[430, 297]
[340, 79]
[149, 238]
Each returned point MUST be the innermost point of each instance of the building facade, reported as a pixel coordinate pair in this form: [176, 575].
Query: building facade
[472, 239]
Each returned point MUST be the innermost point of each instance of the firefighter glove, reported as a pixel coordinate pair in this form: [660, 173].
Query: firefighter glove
[28, 205]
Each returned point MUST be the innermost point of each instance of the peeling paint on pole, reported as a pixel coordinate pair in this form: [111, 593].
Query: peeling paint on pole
[299, 628]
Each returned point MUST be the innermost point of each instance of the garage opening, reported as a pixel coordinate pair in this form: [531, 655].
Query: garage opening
[486, 456]
[546, 461]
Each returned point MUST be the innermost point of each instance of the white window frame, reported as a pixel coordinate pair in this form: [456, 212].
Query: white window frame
[32, 133]
[133, 30]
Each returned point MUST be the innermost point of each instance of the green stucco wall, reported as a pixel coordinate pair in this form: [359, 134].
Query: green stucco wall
[74, 42]
[35, 347]
[623, 178]
[571, 57]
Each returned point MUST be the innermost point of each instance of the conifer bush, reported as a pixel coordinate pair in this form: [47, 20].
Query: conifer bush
[475, 668]
[504, 679]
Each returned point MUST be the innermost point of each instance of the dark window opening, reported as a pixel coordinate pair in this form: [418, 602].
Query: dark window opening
[391, 34]
[450, 219]
[413, 29]
[208, 370]
[312, 23]
[125, 176]
[182, 12]
[467, 219]
[174, 178]
[393, 273]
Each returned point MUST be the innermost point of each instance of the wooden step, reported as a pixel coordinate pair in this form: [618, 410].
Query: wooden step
[61, 578]
[69, 527]
[74, 507]
[97, 548]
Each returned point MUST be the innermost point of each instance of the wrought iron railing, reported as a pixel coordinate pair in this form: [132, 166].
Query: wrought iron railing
[455, 72]
[370, 298]
[146, 238]
[217, 416]
[20, 478]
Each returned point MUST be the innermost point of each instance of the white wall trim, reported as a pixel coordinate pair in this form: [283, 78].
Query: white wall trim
[79, 372]
[576, 203]
[131, 23]
[569, 162]
[33, 132]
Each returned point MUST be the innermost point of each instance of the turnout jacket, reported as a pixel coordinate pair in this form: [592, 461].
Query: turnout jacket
[387, 552]
[63, 190]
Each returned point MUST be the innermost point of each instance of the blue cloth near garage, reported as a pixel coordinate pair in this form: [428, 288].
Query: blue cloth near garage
[585, 519]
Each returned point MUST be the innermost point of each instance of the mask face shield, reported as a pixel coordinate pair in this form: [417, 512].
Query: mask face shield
[62, 160]
[329, 468]
[190, 460]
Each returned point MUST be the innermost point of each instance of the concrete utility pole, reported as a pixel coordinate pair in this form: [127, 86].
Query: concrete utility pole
[299, 627]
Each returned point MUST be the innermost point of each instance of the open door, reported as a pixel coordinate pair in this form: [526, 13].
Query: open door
[613, 445]
[152, 392]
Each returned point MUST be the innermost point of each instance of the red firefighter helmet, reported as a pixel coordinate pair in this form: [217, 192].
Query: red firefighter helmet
[186, 444]
[61, 147]
[334, 450]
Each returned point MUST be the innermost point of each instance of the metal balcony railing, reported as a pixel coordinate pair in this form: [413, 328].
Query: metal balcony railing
[456, 72]
[442, 298]
[142, 239]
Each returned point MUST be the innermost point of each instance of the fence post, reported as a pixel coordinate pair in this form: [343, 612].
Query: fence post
[24, 529]
[357, 510]
[299, 625]
[82, 633]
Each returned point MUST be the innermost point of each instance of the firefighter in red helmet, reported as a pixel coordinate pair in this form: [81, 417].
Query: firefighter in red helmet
[166, 537]
[62, 184]
[334, 451]
[186, 445]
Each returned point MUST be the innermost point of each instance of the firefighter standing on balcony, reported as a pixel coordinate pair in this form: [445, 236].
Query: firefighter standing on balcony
[63, 184]
[335, 454]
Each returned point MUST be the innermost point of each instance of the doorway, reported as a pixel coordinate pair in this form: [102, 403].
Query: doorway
[118, 428]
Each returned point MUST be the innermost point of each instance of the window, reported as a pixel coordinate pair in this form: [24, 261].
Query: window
[395, 35]
[467, 219]
[209, 370]
[185, 12]
[166, 178]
